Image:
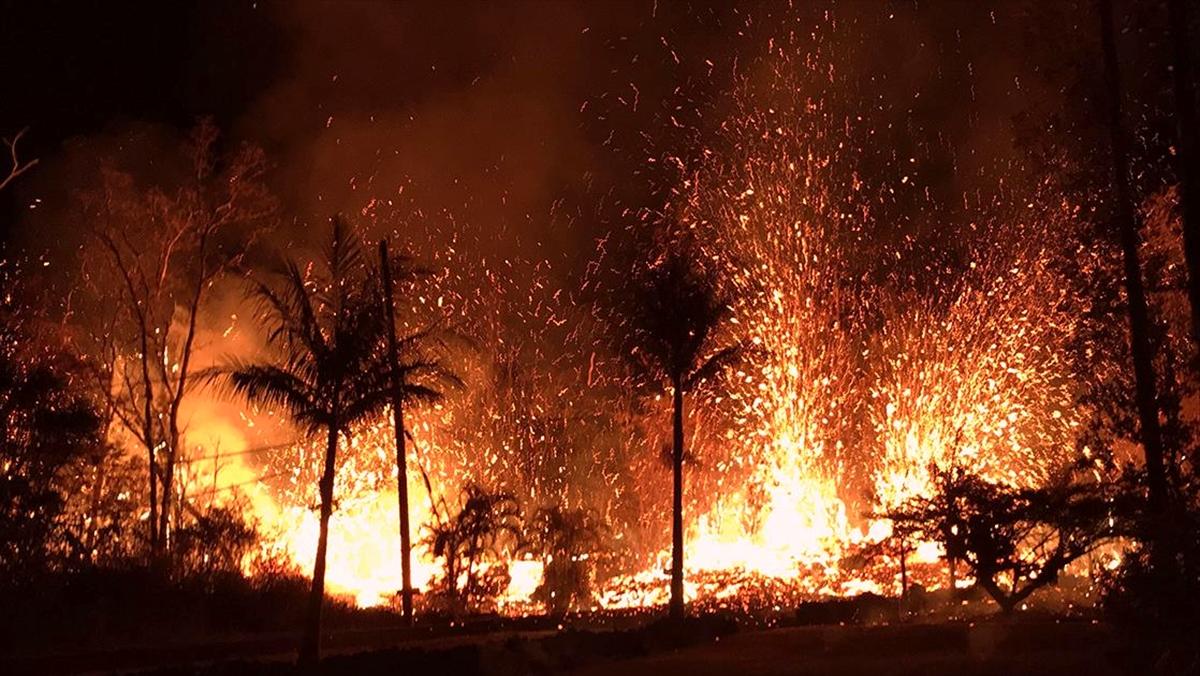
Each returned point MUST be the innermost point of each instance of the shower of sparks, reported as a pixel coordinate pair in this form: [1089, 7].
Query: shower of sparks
[859, 383]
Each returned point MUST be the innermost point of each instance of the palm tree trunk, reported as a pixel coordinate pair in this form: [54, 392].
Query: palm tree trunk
[1188, 153]
[1139, 321]
[310, 642]
[452, 570]
[406, 591]
[677, 508]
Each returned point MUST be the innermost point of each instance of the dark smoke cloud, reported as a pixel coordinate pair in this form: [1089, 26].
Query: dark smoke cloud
[525, 127]
[506, 116]
[473, 115]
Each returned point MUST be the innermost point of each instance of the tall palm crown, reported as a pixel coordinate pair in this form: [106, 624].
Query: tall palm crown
[675, 312]
[327, 331]
[422, 375]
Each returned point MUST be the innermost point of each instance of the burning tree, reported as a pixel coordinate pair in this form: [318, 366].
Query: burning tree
[327, 331]
[1014, 540]
[165, 246]
[673, 319]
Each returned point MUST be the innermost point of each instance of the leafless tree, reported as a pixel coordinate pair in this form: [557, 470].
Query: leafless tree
[163, 249]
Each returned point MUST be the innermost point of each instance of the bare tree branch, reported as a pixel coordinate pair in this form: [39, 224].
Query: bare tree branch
[17, 167]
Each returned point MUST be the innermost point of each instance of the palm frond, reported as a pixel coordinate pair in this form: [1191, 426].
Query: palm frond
[344, 256]
[269, 385]
[724, 359]
[672, 313]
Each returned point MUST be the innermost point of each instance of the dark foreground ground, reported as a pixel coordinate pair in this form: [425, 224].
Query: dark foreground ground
[1056, 649]
[697, 648]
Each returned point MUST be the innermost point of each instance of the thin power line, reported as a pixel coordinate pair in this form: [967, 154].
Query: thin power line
[247, 451]
[255, 480]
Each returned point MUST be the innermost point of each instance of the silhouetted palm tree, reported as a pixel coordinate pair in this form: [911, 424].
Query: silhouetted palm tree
[673, 316]
[326, 328]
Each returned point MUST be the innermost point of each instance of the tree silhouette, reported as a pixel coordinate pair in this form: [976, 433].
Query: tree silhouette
[326, 328]
[215, 542]
[45, 425]
[163, 248]
[486, 527]
[1141, 346]
[1188, 152]
[567, 541]
[672, 318]
[1014, 540]
[416, 376]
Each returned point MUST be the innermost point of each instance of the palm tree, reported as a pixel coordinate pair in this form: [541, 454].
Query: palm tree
[326, 328]
[415, 377]
[673, 317]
